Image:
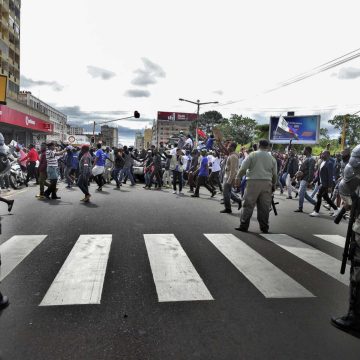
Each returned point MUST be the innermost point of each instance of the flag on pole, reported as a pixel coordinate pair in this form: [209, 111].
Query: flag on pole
[201, 133]
[284, 125]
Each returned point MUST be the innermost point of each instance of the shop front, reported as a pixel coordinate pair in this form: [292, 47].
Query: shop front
[23, 128]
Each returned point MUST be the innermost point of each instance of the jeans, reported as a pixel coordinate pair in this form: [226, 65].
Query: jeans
[157, 174]
[316, 189]
[68, 179]
[177, 175]
[228, 194]
[83, 184]
[31, 171]
[323, 194]
[304, 195]
[126, 172]
[290, 188]
[214, 179]
[203, 181]
[147, 178]
[115, 175]
[166, 178]
[43, 182]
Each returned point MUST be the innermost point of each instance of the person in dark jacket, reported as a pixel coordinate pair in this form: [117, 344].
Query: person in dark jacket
[292, 166]
[326, 178]
[42, 172]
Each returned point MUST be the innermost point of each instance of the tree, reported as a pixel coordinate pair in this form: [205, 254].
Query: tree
[262, 131]
[240, 129]
[352, 127]
[209, 119]
[324, 137]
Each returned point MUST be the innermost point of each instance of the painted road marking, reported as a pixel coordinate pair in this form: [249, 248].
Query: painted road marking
[266, 277]
[15, 250]
[333, 239]
[175, 277]
[81, 278]
[312, 256]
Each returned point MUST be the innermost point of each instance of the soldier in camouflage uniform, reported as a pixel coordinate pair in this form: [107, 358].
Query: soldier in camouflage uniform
[350, 187]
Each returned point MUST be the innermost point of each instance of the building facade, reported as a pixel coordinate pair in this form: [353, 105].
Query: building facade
[169, 124]
[23, 124]
[148, 133]
[56, 117]
[75, 130]
[139, 141]
[10, 44]
[109, 136]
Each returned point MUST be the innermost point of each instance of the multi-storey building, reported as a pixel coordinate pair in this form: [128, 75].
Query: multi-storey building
[10, 44]
[148, 133]
[139, 141]
[72, 130]
[109, 136]
[56, 117]
[168, 125]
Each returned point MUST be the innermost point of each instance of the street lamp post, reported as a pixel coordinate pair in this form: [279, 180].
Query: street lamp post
[198, 103]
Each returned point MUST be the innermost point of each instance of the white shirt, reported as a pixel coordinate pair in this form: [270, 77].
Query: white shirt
[189, 141]
[215, 163]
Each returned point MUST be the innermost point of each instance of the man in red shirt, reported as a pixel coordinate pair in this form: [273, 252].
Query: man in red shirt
[32, 157]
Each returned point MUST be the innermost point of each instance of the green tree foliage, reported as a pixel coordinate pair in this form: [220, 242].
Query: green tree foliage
[207, 121]
[352, 128]
[262, 131]
[240, 129]
[324, 137]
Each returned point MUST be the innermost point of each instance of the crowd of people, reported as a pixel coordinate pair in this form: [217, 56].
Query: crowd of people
[213, 165]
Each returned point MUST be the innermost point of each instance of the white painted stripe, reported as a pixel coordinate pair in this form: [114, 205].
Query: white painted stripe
[271, 281]
[15, 250]
[334, 239]
[312, 256]
[174, 275]
[81, 278]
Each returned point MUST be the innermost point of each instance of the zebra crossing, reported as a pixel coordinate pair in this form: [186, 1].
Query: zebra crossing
[81, 278]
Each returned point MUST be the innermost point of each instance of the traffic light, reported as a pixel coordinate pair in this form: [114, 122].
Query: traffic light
[136, 114]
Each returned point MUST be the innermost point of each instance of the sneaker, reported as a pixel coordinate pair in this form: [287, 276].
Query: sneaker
[336, 213]
[174, 192]
[314, 214]
[181, 193]
[213, 193]
[289, 197]
[226, 211]
[298, 210]
[194, 195]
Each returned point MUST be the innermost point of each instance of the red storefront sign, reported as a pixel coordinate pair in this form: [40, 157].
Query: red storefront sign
[175, 116]
[17, 118]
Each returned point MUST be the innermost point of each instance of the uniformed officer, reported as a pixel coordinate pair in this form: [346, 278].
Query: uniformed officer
[260, 168]
[350, 186]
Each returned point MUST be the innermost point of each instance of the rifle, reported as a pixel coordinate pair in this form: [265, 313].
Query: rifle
[350, 235]
[273, 205]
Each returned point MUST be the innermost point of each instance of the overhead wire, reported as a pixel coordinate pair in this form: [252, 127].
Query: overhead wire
[317, 70]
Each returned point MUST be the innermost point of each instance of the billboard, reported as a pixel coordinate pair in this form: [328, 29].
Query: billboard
[176, 116]
[302, 129]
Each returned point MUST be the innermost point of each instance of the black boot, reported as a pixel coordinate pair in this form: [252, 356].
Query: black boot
[351, 321]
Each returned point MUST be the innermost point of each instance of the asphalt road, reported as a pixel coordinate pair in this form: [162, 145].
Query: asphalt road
[131, 322]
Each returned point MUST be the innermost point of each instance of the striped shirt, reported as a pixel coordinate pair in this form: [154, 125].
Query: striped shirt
[51, 158]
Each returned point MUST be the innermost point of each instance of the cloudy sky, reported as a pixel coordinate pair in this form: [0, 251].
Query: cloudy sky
[99, 60]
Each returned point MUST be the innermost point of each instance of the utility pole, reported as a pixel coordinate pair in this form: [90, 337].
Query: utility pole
[198, 103]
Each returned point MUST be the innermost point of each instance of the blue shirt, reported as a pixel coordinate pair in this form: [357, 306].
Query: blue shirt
[209, 143]
[75, 160]
[203, 167]
[100, 155]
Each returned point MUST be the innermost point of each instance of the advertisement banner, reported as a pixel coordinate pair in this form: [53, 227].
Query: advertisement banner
[14, 117]
[176, 116]
[303, 129]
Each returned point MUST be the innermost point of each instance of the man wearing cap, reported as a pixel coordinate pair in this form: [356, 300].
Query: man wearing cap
[260, 169]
